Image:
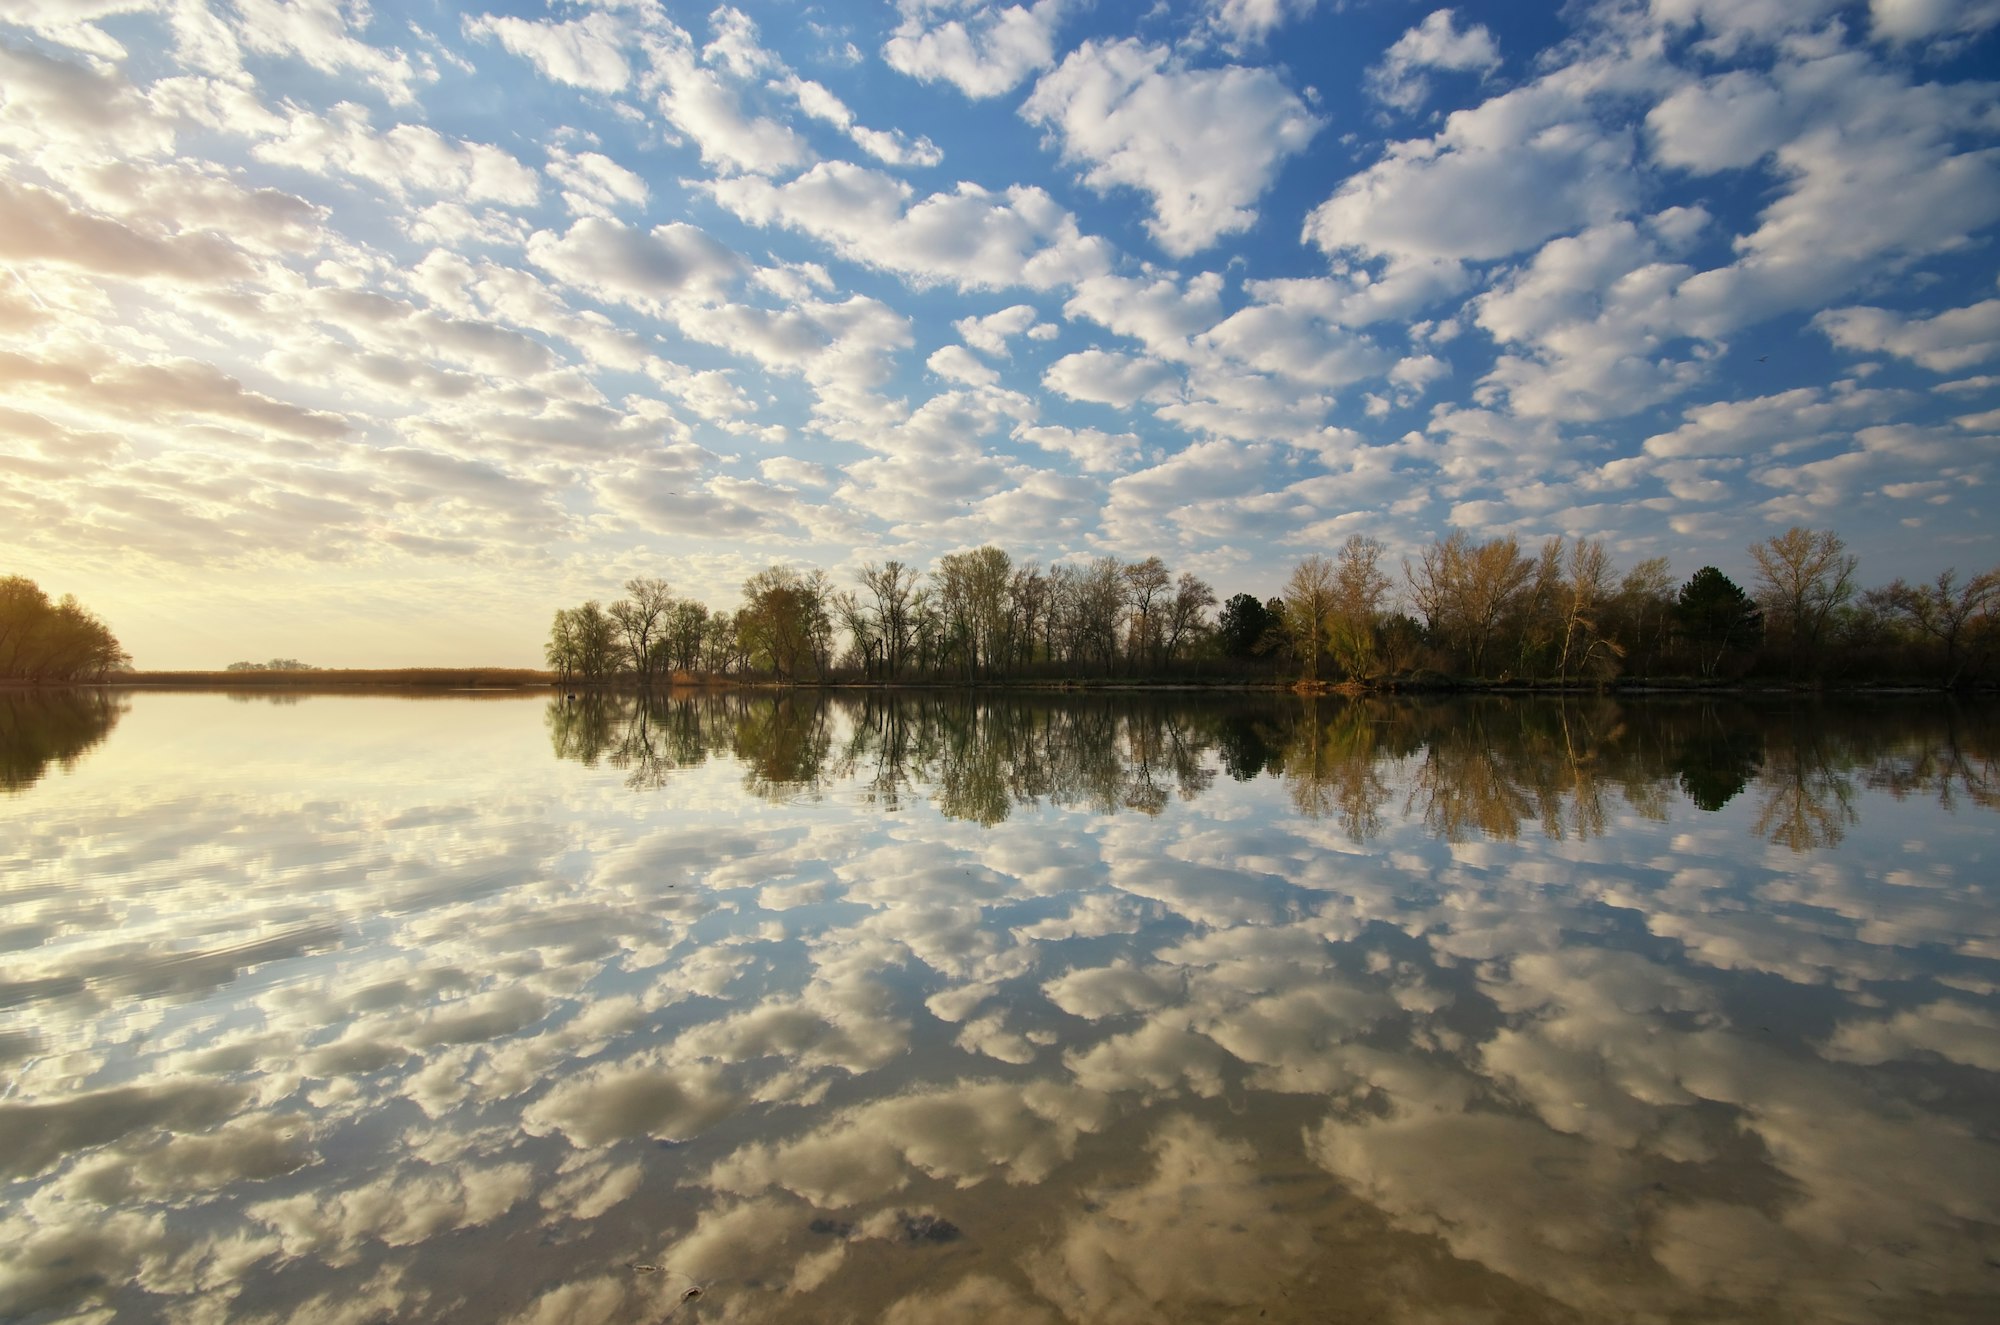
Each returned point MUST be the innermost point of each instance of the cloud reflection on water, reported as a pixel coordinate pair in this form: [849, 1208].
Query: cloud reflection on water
[1163, 1009]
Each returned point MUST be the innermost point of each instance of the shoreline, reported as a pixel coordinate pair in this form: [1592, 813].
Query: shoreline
[492, 680]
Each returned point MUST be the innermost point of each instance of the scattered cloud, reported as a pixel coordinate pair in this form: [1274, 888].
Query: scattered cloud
[982, 49]
[1203, 143]
[1436, 43]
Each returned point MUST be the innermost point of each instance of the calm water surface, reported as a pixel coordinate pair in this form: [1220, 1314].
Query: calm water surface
[378, 1008]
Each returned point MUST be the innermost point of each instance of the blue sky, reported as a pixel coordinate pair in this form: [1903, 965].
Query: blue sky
[371, 334]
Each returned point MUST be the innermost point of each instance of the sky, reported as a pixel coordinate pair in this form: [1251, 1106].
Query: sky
[372, 334]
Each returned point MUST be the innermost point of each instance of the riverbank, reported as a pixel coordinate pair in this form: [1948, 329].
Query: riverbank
[1419, 683]
[443, 678]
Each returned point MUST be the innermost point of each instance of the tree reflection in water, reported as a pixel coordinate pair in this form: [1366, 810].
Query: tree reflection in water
[1488, 767]
[40, 727]
[1806, 798]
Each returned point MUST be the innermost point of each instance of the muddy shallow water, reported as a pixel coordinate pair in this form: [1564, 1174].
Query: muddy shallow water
[780, 1008]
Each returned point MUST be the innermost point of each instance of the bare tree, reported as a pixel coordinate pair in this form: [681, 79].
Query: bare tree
[1537, 612]
[856, 618]
[1099, 604]
[1803, 576]
[1359, 586]
[638, 619]
[891, 586]
[971, 592]
[1309, 609]
[1466, 590]
[1587, 588]
[1186, 613]
[1061, 640]
[1953, 614]
[1640, 612]
[1027, 606]
[685, 625]
[1145, 581]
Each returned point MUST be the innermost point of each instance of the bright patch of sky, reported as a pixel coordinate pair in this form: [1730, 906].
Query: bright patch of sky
[371, 333]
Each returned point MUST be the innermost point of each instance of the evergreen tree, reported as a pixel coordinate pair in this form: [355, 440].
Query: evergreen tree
[1714, 616]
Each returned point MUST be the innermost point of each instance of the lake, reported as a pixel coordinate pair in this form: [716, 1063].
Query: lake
[763, 1007]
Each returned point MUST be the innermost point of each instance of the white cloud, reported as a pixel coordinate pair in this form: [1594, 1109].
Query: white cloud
[406, 158]
[1145, 508]
[1917, 20]
[94, 112]
[317, 31]
[1874, 181]
[1419, 372]
[1294, 340]
[1591, 313]
[800, 473]
[972, 237]
[74, 24]
[711, 113]
[1247, 22]
[1118, 380]
[1771, 425]
[957, 364]
[990, 334]
[622, 264]
[1436, 43]
[1733, 25]
[1225, 401]
[738, 47]
[1204, 143]
[38, 225]
[889, 146]
[1726, 122]
[1500, 178]
[1161, 314]
[1947, 342]
[587, 52]
[1096, 451]
[454, 225]
[593, 184]
[984, 53]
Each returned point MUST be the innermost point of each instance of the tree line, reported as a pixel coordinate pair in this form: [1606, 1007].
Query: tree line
[55, 641]
[1491, 610]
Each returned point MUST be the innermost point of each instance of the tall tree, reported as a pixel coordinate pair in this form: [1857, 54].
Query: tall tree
[1187, 613]
[1244, 626]
[785, 621]
[1145, 581]
[1640, 613]
[60, 641]
[1586, 644]
[1714, 615]
[1309, 608]
[1803, 576]
[971, 592]
[1536, 613]
[639, 617]
[1100, 604]
[1465, 590]
[1359, 587]
[1027, 605]
[583, 643]
[864, 634]
[891, 586]
[686, 624]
